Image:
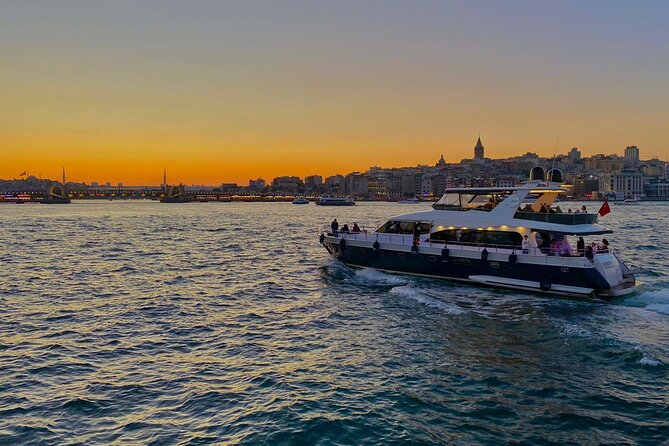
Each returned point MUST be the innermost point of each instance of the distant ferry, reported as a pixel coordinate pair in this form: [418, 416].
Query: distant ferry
[478, 236]
[327, 200]
[300, 200]
[15, 198]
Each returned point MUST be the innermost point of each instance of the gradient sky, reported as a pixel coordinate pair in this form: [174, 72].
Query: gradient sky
[224, 91]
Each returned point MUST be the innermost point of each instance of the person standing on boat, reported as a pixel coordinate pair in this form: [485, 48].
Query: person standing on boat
[335, 227]
[416, 233]
[525, 245]
[580, 246]
[356, 228]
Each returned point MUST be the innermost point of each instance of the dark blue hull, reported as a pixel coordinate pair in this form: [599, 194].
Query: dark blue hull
[462, 269]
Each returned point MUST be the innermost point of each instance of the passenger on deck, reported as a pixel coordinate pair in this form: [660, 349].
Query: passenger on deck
[603, 246]
[584, 210]
[345, 229]
[525, 245]
[569, 211]
[558, 210]
[356, 228]
[334, 226]
[555, 247]
[580, 246]
[589, 254]
[528, 208]
[543, 209]
[565, 248]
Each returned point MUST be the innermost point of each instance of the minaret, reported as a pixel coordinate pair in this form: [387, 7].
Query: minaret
[164, 177]
[479, 150]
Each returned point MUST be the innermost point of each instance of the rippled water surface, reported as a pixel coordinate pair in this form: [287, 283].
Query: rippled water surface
[145, 323]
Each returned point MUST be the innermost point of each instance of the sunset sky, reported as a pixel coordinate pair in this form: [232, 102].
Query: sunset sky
[224, 91]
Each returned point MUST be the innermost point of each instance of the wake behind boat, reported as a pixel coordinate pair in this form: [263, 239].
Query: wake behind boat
[482, 236]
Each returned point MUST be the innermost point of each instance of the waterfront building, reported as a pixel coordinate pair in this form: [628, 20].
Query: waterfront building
[626, 184]
[585, 186]
[656, 188]
[286, 184]
[257, 184]
[356, 184]
[334, 184]
[377, 187]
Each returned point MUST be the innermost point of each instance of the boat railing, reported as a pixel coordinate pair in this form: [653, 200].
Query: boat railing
[562, 219]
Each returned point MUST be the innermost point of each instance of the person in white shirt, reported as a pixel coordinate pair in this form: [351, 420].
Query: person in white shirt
[525, 245]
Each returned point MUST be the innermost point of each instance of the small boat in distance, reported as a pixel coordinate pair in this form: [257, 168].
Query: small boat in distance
[628, 202]
[328, 200]
[300, 200]
[409, 201]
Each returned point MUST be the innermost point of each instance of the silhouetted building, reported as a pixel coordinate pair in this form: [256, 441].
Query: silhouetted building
[632, 154]
[479, 150]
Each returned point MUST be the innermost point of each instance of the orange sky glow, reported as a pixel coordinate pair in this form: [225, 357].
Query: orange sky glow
[230, 92]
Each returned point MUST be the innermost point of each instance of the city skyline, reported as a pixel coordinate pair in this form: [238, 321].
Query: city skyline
[479, 153]
[229, 91]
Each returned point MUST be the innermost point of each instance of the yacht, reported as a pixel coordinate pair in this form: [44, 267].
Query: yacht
[488, 237]
[327, 200]
[300, 200]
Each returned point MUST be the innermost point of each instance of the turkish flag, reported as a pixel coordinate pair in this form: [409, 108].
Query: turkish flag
[605, 209]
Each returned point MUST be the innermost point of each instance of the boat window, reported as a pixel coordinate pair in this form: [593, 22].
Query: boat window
[465, 201]
[449, 201]
[479, 237]
[403, 227]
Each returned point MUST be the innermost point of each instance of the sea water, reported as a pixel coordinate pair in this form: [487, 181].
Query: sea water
[135, 322]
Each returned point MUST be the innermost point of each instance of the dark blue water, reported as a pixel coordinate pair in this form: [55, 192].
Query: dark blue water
[225, 323]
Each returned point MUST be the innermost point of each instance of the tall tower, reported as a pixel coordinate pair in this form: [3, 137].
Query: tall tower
[479, 150]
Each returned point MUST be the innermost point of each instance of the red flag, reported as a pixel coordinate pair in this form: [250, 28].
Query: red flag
[605, 209]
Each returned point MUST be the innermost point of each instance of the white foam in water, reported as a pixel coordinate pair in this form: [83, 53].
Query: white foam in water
[374, 276]
[657, 301]
[572, 330]
[646, 359]
[410, 292]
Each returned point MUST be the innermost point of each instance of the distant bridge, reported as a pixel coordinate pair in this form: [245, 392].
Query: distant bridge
[151, 193]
